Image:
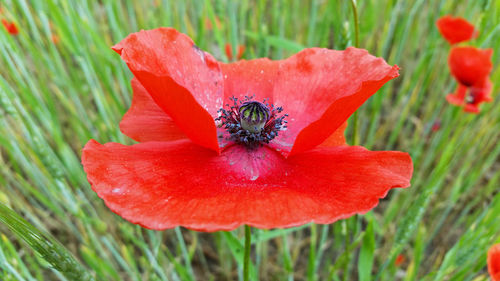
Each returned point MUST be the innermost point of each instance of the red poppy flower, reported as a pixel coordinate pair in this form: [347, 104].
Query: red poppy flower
[229, 52]
[494, 262]
[400, 259]
[456, 30]
[470, 66]
[210, 169]
[10, 27]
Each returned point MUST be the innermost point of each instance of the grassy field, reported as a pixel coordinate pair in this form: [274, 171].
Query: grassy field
[61, 85]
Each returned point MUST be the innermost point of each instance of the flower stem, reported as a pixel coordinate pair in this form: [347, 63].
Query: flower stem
[246, 259]
[356, 44]
[356, 23]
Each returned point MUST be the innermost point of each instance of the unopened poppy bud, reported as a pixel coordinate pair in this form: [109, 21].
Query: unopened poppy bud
[253, 116]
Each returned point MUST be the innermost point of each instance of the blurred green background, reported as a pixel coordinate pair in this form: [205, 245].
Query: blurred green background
[61, 84]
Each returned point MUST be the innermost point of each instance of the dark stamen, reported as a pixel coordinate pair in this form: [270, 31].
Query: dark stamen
[250, 122]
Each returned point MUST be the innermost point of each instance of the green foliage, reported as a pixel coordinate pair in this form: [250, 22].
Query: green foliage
[54, 97]
[50, 250]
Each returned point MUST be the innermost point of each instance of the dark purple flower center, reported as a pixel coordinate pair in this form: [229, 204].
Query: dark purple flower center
[251, 122]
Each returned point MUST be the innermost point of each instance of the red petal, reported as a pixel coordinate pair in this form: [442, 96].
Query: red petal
[470, 65]
[471, 108]
[458, 97]
[241, 50]
[456, 30]
[337, 138]
[161, 185]
[479, 93]
[321, 88]
[183, 80]
[146, 121]
[494, 262]
[250, 78]
[10, 27]
[229, 51]
[482, 91]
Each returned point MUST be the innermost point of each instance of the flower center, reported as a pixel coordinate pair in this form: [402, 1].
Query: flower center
[253, 116]
[471, 98]
[250, 122]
